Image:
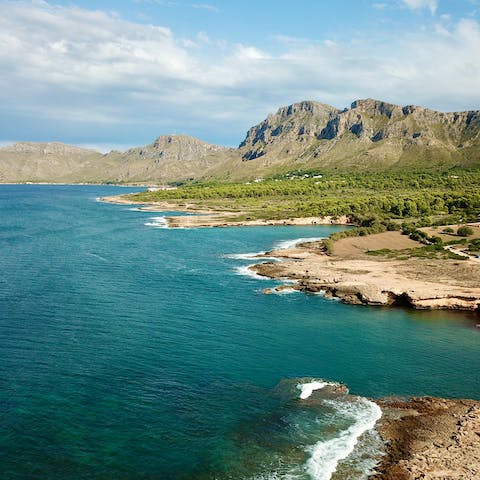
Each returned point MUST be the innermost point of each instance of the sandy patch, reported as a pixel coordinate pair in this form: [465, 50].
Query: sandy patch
[351, 246]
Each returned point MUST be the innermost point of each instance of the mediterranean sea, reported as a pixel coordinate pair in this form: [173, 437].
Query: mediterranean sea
[133, 351]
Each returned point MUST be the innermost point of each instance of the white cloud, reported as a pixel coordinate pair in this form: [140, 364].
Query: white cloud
[206, 6]
[69, 65]
[419, 4]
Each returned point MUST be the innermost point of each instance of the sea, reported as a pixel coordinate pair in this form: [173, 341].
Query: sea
[129, 350]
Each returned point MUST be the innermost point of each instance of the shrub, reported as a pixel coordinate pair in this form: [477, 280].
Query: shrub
[464, 231]
[447, 230]
[436, 240]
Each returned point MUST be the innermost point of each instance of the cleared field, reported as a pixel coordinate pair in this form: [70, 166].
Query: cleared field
[352, 246]
[448, 237]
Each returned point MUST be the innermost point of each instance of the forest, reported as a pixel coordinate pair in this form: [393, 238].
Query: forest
[431, 197]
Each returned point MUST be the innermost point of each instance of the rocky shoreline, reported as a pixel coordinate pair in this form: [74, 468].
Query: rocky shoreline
[366, 280]
[429, 438]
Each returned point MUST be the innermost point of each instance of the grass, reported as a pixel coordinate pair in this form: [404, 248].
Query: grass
[427, 251]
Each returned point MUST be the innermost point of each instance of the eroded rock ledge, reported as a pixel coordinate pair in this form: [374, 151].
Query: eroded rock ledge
[430, 439]
[366, 280]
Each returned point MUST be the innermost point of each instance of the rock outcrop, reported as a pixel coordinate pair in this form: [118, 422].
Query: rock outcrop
[429, 438]
[361, 279]
[371, 135]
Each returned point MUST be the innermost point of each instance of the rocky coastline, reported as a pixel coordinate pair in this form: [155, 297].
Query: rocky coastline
[361, 279]
[430, 439]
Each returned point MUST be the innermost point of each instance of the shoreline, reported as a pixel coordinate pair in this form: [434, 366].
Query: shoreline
[361, 279]
[429, 438]
[208, 218]
[351, 276]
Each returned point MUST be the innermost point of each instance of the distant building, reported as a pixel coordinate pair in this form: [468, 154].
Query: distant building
[162, 187]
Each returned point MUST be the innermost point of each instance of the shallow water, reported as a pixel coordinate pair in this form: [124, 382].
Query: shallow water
[129, 351]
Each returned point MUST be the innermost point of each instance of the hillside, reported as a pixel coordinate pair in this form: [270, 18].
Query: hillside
[370, 136]
[44, 162]
[169, 157]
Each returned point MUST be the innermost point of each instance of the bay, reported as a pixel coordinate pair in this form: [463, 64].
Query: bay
[129, 351]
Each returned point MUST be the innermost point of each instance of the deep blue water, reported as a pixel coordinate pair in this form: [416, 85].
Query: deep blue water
[132, 352]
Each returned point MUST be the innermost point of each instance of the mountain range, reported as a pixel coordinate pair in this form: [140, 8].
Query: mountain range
[372, 135]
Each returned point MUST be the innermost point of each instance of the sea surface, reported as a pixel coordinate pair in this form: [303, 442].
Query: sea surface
[133, 351]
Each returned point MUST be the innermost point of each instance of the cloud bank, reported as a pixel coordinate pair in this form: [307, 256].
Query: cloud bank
[83, 69]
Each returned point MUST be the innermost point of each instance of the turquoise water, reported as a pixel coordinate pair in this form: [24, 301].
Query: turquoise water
[134, 352]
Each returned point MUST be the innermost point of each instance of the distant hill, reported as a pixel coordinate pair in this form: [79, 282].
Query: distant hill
[370, 136]
[169, 157]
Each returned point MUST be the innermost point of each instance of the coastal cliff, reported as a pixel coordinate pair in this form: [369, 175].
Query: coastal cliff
[361, 279]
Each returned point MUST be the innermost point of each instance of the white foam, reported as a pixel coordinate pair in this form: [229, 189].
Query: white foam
[308, 388]
[244, 256]
[284, 291]
[323, 293]
[326, 454]
[250, 256]
[287, 244]
[247, 272]
[95, 255]
[157, 222]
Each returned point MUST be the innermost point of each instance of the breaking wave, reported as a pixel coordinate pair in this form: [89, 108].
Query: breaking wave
[157, 222]
[287, 244]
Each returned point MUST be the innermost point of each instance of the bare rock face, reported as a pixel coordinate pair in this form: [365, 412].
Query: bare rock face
[299, 123]
[371, 135]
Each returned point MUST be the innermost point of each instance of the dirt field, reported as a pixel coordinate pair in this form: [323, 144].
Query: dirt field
[349, 247]
[437, 232]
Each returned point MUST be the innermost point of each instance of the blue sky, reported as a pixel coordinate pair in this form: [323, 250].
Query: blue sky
[114, 74]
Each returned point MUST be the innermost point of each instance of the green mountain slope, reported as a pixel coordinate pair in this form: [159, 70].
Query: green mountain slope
[370, 136]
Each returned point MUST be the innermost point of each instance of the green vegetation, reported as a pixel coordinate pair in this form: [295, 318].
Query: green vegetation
[474, 245]
[464, 231]
[433, 251]
[387, 198]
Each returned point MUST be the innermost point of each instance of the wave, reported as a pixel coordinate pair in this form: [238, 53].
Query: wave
[247, 272]
[96, 255]
[329, 435]
[287, 244]
[323, 293]
[284, 291]
[308, 388]
[326, 454]
[157, 222]
[250, 256]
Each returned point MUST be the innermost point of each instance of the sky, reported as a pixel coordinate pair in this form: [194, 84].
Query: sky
[116, 74]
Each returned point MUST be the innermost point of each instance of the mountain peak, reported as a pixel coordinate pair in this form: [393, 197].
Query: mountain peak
[308, 106]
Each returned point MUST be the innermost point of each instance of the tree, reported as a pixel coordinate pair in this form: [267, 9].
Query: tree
[464, 231]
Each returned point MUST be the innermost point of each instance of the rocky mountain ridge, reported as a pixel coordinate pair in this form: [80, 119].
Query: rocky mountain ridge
[371, 135]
